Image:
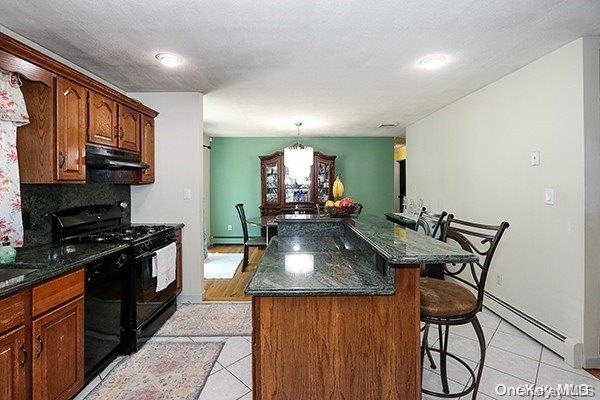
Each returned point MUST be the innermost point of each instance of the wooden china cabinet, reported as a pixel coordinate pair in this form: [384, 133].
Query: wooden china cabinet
[281, 194]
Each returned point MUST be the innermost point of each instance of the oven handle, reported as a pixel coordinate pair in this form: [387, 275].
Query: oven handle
[144, 256]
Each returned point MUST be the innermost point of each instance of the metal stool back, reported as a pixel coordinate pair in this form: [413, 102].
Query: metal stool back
[481, 240]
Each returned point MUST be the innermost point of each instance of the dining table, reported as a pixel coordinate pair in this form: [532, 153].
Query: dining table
[264, 221]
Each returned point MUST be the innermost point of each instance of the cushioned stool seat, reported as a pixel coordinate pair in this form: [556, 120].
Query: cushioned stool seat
[444, 299]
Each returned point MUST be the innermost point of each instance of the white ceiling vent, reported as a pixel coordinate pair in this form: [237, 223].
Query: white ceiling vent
[388, 125]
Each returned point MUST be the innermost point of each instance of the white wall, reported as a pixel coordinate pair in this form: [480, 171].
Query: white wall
[471, 158]
[179, 165]
[591, 91]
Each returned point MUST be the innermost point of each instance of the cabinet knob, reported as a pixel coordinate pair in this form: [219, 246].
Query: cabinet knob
[61, 159]
[41, 342]
[23, 351]
[121, 133]
[116, 132]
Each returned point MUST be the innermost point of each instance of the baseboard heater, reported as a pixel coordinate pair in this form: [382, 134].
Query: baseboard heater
[570, 349]
[527, 317]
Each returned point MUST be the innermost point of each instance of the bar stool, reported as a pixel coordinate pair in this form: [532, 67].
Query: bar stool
[445, 303]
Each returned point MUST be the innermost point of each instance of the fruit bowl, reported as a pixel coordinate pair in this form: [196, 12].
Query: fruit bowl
[341, 212]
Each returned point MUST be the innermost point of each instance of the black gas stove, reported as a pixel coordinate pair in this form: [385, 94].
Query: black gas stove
[126, 234]
[143, 308]
[104, 224]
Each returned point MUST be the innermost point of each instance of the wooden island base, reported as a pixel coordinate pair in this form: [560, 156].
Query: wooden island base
[339, 347]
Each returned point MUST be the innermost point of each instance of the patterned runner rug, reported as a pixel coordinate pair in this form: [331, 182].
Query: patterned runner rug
[160, 370]
[210, 319]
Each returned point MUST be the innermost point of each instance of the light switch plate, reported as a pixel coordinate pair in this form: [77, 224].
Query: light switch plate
[549, 196]
[535, 158]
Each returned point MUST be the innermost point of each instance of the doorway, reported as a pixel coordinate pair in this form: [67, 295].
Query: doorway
[401, 183]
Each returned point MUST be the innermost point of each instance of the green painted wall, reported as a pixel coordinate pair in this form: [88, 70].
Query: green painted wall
[365, 164]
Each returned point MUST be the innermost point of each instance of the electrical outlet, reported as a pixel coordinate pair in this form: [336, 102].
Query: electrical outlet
[535, 158]
[549, 196]
[229, 227]
[499, 279]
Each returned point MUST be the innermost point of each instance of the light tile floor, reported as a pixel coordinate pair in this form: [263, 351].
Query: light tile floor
[513, 358]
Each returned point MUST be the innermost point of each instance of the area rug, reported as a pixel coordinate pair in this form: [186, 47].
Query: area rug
[161, 370]
[210, 319]
[221, 265]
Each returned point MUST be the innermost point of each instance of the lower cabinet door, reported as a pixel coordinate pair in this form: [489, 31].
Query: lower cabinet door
[14, 366]
[58, 352]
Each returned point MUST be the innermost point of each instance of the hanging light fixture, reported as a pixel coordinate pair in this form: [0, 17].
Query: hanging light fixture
[298, 158]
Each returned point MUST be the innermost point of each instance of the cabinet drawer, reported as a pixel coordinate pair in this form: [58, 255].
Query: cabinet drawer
[60, 290]
[12, 311]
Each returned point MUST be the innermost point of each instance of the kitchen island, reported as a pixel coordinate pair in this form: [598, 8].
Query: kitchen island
[335, 309]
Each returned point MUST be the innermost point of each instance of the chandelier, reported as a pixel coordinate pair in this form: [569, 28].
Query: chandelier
[298, 159]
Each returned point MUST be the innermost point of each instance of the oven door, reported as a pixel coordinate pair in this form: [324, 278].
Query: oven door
[148, 301]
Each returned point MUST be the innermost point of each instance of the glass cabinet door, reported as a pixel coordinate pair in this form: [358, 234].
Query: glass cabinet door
[323, 181]
[271, 176]
[297, 186]
[324, 174]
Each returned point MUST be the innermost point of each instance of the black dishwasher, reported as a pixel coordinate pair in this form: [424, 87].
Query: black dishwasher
[106, 312]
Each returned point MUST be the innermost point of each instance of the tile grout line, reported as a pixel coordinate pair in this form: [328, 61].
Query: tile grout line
[537, 373]
[225, 368]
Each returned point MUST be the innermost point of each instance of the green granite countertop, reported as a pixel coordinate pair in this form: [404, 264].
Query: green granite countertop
[318, 266]
[402, 219]
[399, 246]
[51, 260]
[340, 256]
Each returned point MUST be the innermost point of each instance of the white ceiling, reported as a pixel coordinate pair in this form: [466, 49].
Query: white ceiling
[340, 66]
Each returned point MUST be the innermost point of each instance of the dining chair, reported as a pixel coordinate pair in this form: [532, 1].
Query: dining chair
[248, 241]
[451, 302]
[359, 208]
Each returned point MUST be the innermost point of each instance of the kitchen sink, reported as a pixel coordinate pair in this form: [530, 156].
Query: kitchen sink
[11, 276]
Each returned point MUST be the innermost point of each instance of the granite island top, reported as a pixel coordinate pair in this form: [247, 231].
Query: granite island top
[400, 246]
[351, 256]
[318, 266]
[51, 260]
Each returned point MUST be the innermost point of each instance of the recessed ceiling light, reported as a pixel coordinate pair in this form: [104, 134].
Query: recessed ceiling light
[433, 61]
[169, 59]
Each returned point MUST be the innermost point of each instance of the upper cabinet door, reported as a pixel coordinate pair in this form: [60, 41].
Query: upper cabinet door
[129, 128]
[71, 126]
[103, 127]
[147, 149]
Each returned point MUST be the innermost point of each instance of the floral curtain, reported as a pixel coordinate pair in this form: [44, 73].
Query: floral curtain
[13, 114]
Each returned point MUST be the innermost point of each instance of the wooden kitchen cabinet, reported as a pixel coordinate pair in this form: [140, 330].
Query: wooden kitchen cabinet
[14, 365]
[52, 146]
[129, 128]
[103, 120]
[147, 151]
[41, 340]
[68, 109]
[71, 127]
[58, 352]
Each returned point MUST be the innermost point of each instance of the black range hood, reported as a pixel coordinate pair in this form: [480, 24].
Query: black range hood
[112, 166]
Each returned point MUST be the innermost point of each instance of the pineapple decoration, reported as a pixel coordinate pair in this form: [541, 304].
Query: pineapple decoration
[339, 207]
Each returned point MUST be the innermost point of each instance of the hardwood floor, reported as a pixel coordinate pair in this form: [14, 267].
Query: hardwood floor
[231, 289]
[595, 372]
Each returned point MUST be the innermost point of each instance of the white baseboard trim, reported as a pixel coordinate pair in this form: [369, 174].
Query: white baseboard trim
[189, 298]
[591, 362]
[570, 349]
